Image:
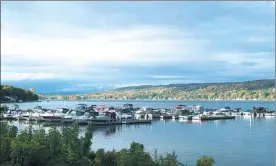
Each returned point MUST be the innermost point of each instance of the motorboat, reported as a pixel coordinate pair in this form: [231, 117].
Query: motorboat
[82, 107]
[23, 115]
[106, 118]
[83, 119]
[246, 114]
[51, 116]
[71, 115]
[270, 114]
[10, 115]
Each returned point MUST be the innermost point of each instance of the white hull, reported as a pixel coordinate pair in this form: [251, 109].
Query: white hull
[270, 114]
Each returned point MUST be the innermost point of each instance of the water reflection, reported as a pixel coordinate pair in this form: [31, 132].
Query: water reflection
[107, 131]
[246, 140]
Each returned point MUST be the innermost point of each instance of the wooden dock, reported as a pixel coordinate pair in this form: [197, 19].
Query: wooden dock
[205, 118]
[119, 122]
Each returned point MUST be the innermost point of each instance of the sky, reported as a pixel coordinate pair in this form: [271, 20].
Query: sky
[64, 47]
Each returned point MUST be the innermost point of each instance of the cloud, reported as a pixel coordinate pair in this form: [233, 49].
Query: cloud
[258, 39]
[93, 45]
[142, 44]
[169, 77]
[15, 76]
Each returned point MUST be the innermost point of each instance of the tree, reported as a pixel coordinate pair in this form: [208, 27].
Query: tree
[17, 93]
[32, 90]
[55, 148]
[205, 161]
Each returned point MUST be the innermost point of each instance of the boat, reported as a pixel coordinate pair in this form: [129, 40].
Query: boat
[23, 116]
[82, 119]
[166, 115]
[113, 118]
[31, 118]
[246, 114]
[128, 106]
[50, 116]
[192, 117]
[270, 114]
[104, 119]
[185, 117]
[38, 109]
[237, 112]
[184, 114]
[196, 118]
[72, 115]
[142, 115]
[82, 107]
[217, 115]
[10, 115]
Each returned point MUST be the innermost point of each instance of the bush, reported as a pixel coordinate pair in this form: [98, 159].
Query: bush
[38, 148]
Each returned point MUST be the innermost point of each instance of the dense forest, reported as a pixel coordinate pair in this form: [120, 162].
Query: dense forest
[249, 90]
[10, 93]
[65, 148]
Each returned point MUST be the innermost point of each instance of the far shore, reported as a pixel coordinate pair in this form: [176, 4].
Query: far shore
[153, 100]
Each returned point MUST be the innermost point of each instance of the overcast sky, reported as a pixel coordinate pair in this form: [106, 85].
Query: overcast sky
[93, 46]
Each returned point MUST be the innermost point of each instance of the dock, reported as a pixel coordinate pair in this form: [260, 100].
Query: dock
[205, 118]
[120, 122]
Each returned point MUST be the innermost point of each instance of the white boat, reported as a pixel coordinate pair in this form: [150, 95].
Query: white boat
[81, 107]
[116, 119]
[82, 119]
[104, 120]
[246, 114]
[71, 115]
[189, 118]
[34, 116]
[236, 113]
[196, 118]
[37, 109]
[51, 117]
[23, 116]
[270, 114]
[10, 115]
[142, 115]
[126, 118]
[183, 118]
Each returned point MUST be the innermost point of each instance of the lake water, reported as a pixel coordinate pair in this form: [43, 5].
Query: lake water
[155, 104]
[243, 141]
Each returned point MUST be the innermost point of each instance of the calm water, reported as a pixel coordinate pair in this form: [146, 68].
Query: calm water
[155, 104]
[243, 141]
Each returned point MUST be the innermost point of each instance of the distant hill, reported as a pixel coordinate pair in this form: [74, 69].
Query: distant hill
[248, 90]
[11, 94]
[246, 85]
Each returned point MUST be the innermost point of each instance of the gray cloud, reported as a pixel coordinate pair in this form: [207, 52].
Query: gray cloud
[113, 46]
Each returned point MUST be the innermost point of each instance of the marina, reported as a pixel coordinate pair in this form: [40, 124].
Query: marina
[127, 114]
[245, 138]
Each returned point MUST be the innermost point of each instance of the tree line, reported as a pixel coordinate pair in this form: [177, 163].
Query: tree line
[249, 90]
[40, 148]
[8, 93]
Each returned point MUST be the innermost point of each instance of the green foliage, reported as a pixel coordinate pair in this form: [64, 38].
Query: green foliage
[259, 90]
[205, 161]
[38, 148]
[18, 93]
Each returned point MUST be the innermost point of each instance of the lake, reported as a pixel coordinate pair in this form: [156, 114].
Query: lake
[243, 141]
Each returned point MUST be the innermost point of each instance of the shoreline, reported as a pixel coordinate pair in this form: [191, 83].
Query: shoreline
[19, 102]
[200, 100]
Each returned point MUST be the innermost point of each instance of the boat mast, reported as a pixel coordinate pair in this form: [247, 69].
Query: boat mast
[275, 86]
